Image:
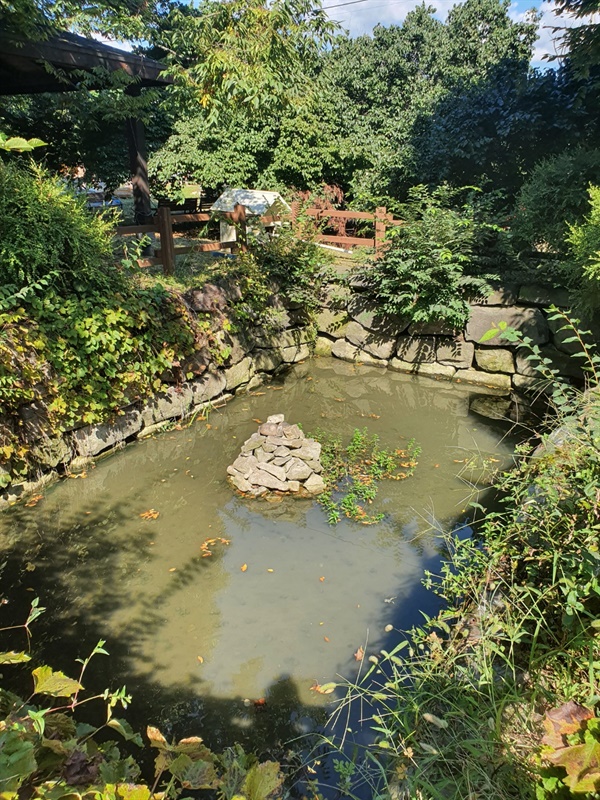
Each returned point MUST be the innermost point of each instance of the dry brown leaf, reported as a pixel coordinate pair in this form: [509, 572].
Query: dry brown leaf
[200, 659]
[258, 421]
[33, 501]
[360, 654]
[150, 514]
[562, 721]
[326, 638]
[322, 578]
[244, 567]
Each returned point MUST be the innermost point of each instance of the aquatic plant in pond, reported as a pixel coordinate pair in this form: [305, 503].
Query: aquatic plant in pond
[351, 473]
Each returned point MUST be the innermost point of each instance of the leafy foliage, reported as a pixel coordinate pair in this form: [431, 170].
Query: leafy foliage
[250, 54]
[351, 473]
[427, 271]
[584, 242]
[554, 196]
[457, 710]
[47, 752]
[46, 233]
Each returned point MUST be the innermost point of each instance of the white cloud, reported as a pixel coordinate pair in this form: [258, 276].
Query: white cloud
[362, 17]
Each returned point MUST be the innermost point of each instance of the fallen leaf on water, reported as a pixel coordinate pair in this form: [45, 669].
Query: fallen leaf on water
[326, 688]
[33, 501]
[258, 421]
[326, 638]
[388, 628]
[150, 514]
[244, 567]
[173, 569]
[276, 388]
[360, 654]
[260, 703]
[309, 379]
[459, 460]
[495, 460]
[339, 399]
[270, 570]
[374, 416]
[257, 394]
[200, 659]
[88, 513]
[208, 426]
[322, 578]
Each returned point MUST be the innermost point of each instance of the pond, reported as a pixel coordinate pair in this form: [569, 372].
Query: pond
[209, 648]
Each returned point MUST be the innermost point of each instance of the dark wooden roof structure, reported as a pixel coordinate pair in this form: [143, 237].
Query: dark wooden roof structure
[55, 64]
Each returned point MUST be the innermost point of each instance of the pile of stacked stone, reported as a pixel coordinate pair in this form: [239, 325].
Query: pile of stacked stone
[278, 458]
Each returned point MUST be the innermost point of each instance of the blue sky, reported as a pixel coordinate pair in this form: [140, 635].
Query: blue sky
[361, 17]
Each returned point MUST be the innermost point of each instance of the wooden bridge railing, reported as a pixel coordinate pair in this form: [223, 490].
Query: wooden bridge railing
[165, 221]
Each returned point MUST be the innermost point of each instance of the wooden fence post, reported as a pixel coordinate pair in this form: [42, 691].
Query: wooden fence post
[380, 216]
[167, 247]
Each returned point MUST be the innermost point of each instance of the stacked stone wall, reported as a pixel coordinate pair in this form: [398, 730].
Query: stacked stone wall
[348, 327]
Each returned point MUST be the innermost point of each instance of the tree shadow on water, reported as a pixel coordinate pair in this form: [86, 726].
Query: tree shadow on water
[42, 565]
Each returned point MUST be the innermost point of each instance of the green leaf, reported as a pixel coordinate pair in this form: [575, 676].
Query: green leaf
[125, 729]
[192, 774]
[56, 684]
[14, 658]
[262, 781]
[491, 334]
[582, 763]
[17, 760]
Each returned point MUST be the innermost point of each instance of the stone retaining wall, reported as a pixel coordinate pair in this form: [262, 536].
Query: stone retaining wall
[348, 328]
[250, 360]
[351, 329]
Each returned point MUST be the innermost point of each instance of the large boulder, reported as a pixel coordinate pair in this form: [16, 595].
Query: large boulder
[378, 345]
[94, 439]
[454, 352]
[495, 359]
[416, 349]
[529, 321]
[239, 373]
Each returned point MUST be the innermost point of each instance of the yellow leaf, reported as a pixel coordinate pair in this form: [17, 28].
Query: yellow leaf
[244, 567]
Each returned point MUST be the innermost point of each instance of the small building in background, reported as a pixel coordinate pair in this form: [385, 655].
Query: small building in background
[256, 204]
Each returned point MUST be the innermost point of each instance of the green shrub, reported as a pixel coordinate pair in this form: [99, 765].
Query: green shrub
[460, 707]
[293, 268]
[584, 241]
[48, 234]
[429, 270]
[554, 197]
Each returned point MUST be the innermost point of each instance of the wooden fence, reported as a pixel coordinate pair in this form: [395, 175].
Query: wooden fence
[380, 219]
[165, 221]
[163, 224]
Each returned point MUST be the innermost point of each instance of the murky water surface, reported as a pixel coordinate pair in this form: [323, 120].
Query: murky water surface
[194, 637]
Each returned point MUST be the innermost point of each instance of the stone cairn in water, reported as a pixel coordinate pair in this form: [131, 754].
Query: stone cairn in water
[278, 458]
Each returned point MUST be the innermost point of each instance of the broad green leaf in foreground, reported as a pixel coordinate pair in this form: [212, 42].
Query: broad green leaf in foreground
[56, 684]
[14, 658]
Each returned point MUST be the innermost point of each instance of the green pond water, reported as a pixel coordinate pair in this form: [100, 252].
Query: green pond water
[195, 639]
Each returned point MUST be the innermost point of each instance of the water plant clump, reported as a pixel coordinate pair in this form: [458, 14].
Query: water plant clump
[352, 473]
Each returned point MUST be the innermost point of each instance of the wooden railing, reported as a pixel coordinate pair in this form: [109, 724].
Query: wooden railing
[380, 219]
[165, 221]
